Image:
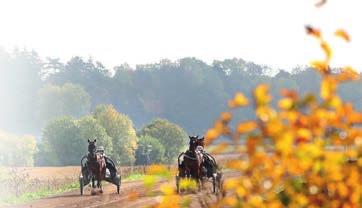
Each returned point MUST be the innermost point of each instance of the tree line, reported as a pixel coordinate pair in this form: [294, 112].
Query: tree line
[188, 92]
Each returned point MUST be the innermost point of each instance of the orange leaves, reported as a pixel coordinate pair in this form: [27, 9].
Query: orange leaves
[211, 135]
[225, 116]
[246, 127]
[347, 74]
[313, 31]
[320, 66]
[342, 34]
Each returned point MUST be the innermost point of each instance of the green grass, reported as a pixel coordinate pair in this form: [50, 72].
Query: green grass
[134, 177]
[30, 196]
[46, 192]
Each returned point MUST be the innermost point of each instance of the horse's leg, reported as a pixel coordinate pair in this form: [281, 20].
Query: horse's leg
[93, 192]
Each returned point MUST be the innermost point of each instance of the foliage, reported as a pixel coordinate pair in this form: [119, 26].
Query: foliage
[317, 148]
[188, 91]
[64, 139]
[66, 100]
[19, 83]
[157, 150]
[306, 152]
[90, 128]
[170, 135]
[15, 150]
[120, 128]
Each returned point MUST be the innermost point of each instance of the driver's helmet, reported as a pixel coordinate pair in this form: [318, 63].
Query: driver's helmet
[100, 149]
[199, 148]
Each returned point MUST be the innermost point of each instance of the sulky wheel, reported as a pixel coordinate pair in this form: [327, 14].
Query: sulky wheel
[118, 182]
[177, 184]
[214, 184]
[81, 184]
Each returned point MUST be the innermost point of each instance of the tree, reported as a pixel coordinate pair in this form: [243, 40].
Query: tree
[64, 139]
[15, 150]
[120, 128]
[170, 135]
[67, 100]
[19, 83]
[146, 143]
[91, 129]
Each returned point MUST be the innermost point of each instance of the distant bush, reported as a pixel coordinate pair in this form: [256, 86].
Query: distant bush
[156, 154]
[16, 150]
[170, 135]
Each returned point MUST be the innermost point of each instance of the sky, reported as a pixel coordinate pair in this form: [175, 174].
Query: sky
[269, 32]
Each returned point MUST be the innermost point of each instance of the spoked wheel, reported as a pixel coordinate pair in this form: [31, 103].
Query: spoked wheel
[117, 181]
[177, 184]
[214, 183]
[81, 184]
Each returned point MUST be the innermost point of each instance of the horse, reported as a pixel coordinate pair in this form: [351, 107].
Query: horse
[193, 161]
[96, 165]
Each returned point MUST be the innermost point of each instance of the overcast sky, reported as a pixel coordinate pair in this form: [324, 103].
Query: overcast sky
[144, 31]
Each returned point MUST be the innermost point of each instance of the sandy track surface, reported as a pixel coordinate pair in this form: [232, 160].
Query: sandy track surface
[109, 198]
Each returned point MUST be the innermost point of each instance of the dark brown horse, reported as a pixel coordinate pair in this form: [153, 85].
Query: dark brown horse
[193, 161]
[96, 166]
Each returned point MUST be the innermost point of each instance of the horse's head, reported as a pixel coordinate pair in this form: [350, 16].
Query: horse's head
[201, 142]
[92, 147]
[193, 142]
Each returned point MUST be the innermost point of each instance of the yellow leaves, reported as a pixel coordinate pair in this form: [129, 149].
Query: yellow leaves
[149, 181]
[188, 184]
[220, 148]
[320, 66]
[231, 183]
[156, 170]
[211, 135]
[167, 189]
[327, 50]
[246, 127]
[285, 103]
[317, 141]
[237, 165]
[303, 135]
[261, 94]
[169, 201]
[265, 113]
[342, 34]
[301, 200]
[284, 143]
[255, 201]
[240, 191]
[342, 190]
[238, 101]
[328, 88]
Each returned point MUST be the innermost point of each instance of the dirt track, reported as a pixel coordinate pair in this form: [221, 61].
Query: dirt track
[110, 198]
